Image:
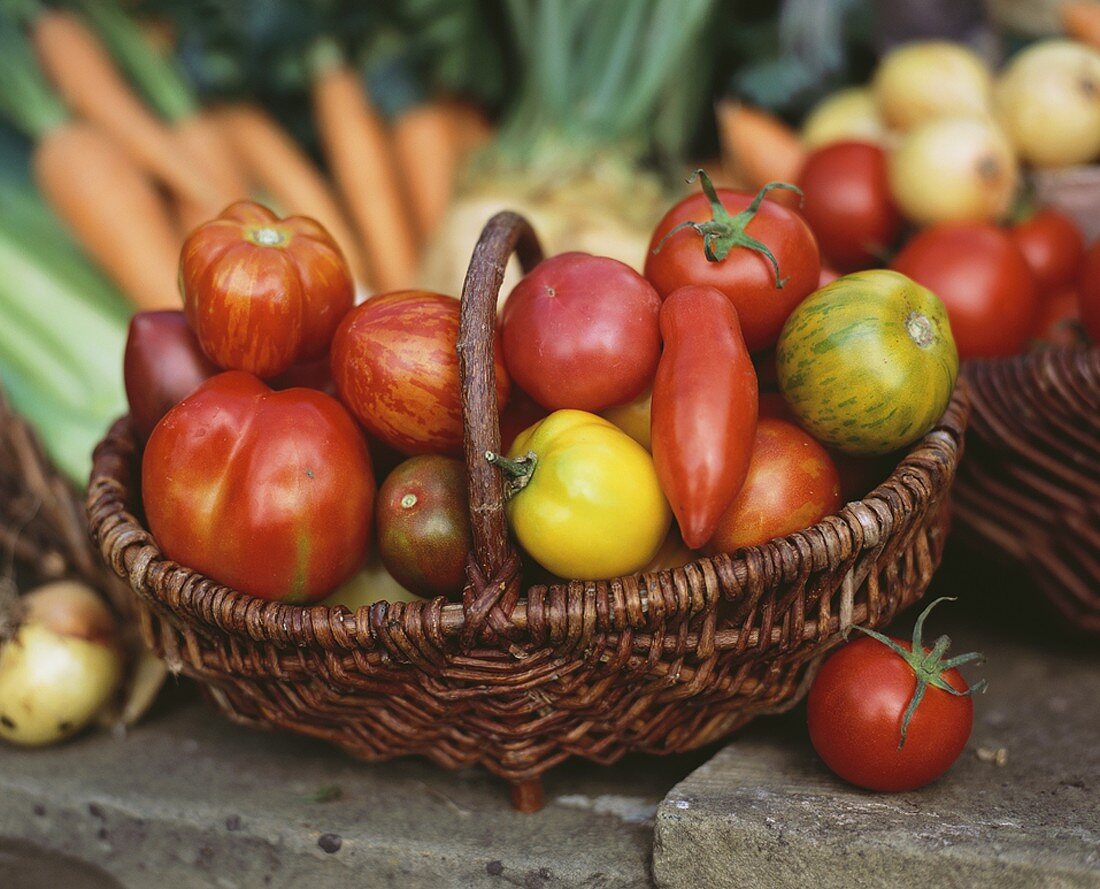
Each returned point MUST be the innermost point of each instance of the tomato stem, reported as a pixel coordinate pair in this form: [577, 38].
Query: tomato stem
[517, 473]
[723, 231]
[928, 665]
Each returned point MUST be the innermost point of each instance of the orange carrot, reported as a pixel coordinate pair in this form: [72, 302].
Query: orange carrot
[360, 155]
[426, 139]
[474, 129]
[88, 79]
[201, 136]
[757, 147]
[280, 167]
[113, 209]
[1082, 21]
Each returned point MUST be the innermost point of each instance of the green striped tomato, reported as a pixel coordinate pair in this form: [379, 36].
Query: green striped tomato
[868, 363]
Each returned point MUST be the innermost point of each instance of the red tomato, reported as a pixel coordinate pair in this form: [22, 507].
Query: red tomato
[1053, 246]
[848, 204]
[704, 409]
[856, 712]
[984, 282]
[827, 276]
[395, 365]
[792, 484]
[163, 364]
[263, 293]
[316, 374]
[522, 411]
[745, 274]
[580, 331]
[1059, 319]
[1089, 293]
[267, 492]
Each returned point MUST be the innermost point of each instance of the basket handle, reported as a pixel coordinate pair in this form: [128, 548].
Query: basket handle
[504, 234]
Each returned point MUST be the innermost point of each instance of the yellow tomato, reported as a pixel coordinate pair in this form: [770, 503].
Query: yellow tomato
[633, 417]
[587, 505]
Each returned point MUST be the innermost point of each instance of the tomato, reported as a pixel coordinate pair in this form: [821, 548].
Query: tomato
[1089, 293]
[163, 364]
[634, 418]
[267, 492]
[827, 276]
[847, 202]
[1059, 320]
[868, 364]
[423, 521]
[792, 484]
[858, 705]
[705, 401]
[1053, 247]
[368, 586]
[764, 259]
[520, 412]
[580, 331]
[395, 365]
[983, 280]
[263, 293]
[587, 504]
[316, 374]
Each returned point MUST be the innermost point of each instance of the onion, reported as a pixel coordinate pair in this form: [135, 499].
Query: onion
[368, 586]
[61, 666]
[918, 82]
[955, 169]
[1048, 100]
[847, 114]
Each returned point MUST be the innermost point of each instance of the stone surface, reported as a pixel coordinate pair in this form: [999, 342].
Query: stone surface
[766, 813]
[189, 801]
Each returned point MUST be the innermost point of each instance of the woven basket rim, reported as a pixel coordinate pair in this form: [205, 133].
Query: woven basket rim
[492, 596]
[301, 625]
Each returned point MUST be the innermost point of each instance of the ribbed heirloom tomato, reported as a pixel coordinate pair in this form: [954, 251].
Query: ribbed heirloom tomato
[761, 255]
[263, 293]
[268, 492]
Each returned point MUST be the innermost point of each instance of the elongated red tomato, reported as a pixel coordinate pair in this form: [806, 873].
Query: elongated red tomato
[705, 402]
[268, 492]
[263, 293]
[761, 255]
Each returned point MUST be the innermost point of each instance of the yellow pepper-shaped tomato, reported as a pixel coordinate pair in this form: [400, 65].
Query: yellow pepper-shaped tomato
[586, 504]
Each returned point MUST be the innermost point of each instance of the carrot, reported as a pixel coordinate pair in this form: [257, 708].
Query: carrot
[428, 147]
[360, 155]
[113, 209]
[757, 147]
[88, 79]
[201, 136]
[474, 129]
[1082, 21]
[281, 168]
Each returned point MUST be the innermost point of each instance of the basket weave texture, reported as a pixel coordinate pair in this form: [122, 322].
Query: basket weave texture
[1030, 486]
[519, 680]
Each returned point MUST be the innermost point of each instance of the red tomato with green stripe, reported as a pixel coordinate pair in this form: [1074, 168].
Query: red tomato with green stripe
[395, 365]
[270, 493]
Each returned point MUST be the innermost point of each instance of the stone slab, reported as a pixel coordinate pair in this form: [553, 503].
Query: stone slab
[189, 801]
[766, 813]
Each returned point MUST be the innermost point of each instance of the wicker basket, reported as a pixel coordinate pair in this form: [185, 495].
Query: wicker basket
[518, 681]
[1030, 486]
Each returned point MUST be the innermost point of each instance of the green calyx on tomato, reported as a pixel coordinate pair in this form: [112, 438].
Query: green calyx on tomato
[929, 665]
[517, 473]
[724, 231]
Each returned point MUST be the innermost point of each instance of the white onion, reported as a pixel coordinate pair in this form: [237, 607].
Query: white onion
[846, 114]
[922, 81]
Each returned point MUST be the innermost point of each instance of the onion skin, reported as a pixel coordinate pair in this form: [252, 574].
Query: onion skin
[846, 114]
[60, 668]
[1048, 101]
[955, 169]
[928, 79]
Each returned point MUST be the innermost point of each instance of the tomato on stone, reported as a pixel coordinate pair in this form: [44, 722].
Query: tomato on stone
[890, 715]
[761, 255]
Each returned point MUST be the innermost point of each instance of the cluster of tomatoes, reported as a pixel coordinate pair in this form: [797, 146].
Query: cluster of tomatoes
[272, 403]
[1004, 287]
